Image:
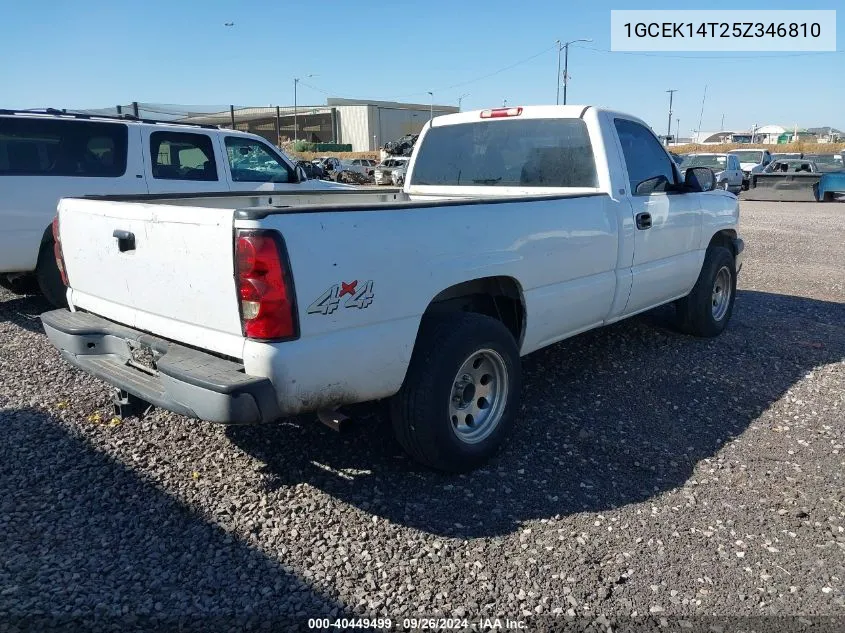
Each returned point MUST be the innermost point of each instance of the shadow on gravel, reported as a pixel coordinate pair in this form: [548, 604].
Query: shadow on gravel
[609, 418]
[23, 310]
[83, 537]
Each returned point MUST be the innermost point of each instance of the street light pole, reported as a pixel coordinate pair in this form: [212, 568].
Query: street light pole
[669, 131]
[461, 98]
[431, 108]
[565, 48]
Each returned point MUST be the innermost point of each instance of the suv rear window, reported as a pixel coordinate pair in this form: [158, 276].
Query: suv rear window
[507, 153]
[61, 147]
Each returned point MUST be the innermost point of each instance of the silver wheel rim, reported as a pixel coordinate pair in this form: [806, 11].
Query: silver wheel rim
[725, 185]
[722, 291]
[478, 397]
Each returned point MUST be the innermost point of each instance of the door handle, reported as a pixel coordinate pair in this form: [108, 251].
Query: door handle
[125, 240]
[644, 221]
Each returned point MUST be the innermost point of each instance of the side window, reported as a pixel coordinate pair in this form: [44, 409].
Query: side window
[252, 161]
[649, 167]
[182, 156]
[61, 147]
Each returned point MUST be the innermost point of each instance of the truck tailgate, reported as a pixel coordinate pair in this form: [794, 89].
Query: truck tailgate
[175, 270]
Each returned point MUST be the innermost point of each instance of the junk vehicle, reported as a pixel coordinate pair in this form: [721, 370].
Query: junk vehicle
[401, 147]
[725, 167]
[45, 156]
[751, 161]
[516, 228]
[793, 180]
[391, 171]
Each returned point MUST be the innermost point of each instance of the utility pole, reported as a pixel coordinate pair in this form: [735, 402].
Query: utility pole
[431, 108]
[677, 130]
[565, 48]
[278, 128]
[295, 130]
[701, 115]
[669, 130]
[722, 127]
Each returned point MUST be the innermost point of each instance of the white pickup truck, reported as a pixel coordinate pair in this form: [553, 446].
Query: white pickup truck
[516, 228]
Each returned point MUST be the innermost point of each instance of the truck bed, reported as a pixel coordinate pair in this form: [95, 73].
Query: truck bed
[256, 206]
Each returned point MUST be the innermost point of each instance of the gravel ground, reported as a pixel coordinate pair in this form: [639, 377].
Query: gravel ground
[651, 474]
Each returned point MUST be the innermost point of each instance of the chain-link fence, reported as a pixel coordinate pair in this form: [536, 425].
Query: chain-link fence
[278, 124]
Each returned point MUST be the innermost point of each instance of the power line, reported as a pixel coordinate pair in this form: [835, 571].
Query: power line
[501, 70]
[482, 77]
[313, 87]
[710, 57]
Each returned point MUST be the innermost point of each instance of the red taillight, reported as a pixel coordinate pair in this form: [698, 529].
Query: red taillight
[57, 251]
[498, 113]
[265, 290]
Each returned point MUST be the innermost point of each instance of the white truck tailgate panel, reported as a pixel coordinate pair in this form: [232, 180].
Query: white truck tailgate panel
[180, 273]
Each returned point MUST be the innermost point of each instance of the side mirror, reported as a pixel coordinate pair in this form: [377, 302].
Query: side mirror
[301, 176]
[651, 185]
[700, 179]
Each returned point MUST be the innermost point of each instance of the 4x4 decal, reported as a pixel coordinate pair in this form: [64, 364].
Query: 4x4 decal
[359, 296]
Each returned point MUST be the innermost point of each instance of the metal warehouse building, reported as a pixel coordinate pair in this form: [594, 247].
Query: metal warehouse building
[366, 125]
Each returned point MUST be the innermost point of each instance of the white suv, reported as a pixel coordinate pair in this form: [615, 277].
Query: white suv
[51, 155]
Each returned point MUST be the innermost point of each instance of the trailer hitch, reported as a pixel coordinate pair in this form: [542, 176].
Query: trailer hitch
[126, 405]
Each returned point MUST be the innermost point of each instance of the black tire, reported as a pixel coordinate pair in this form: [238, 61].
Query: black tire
[23, 285]
[420, 411]
[48, 276]
[695, 311]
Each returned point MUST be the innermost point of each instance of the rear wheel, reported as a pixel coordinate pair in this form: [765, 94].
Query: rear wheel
[460, 394]
[707, 309]
[21, 285]
[48, 276]
[725, 185]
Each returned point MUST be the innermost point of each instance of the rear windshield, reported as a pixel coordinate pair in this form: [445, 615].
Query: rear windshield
[717, 162]
[748, 156]
[507, 153]
[54, 147]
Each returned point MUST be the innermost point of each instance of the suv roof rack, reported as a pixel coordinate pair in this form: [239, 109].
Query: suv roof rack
[116, 117]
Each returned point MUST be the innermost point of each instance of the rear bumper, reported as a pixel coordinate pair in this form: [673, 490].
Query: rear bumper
[184, 380]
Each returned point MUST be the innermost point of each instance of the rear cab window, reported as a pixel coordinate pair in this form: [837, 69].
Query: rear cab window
[56, 147]
[182, 156]
[507, 153]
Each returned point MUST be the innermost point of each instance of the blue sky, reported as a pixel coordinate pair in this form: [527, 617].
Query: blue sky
[98, 54]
